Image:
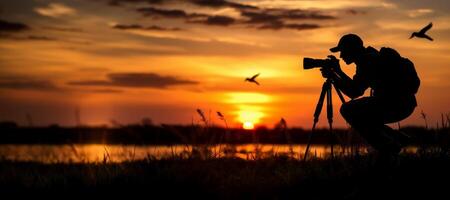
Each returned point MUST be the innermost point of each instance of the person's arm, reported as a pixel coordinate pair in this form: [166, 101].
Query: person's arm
[353, 88]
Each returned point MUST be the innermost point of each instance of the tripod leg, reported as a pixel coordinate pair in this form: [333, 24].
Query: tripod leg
[339, 94]
[316, 117]
[330, 116]
[341, 97]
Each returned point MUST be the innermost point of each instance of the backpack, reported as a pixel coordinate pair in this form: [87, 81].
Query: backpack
[400, 71]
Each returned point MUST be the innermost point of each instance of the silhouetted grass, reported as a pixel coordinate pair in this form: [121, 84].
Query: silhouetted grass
[194, 174]
[276, 177]
[201, 173]
[193, 134]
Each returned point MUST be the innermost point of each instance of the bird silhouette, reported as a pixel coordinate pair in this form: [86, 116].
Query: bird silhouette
[421, 33]
[252, 79]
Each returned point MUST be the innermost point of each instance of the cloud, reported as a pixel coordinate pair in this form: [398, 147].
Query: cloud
[222, 3]
[274, 19]
[63, 29]
[355, 12]
[167, 13]
[216, 20]
[26, 83]
[27, 38]
[6, 26]
[37, 37]
[419, 12]
[44, 85]
[225, 4]
[137, 80]
[105, 91]
[272, 15]
[140, 27]
[203, 3]
[121, 2]
[188, 17]
[55, 10]
[251, 16]
[278, 12]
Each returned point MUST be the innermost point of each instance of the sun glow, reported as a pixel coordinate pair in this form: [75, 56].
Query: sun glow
[249, 118]
[248, 126]
[248, 97]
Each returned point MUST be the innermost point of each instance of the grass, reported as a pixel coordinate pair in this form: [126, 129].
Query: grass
[277, 177]
[201, 173]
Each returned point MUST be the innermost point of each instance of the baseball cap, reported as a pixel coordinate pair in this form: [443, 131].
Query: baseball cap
[348, 41]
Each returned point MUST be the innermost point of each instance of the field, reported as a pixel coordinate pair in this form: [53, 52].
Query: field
[200, 173]
[425, 175]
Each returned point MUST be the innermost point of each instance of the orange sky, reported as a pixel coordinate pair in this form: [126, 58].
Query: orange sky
[119, 60]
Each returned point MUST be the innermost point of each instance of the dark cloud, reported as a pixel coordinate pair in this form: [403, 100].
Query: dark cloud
[121, 2]
[275, 19]
[26, 83]
[6, 26]
[279, 15]
[203, 3]
[138, 80]
[297, 14]
[251, 16]
[140, 27]
[4, 36]
[27, 38]
[222, 3]
[259, 17]
[42, 85]
[355, 12]
[188, 17]
[262, 19]
[216, 20]
[277, 12]
[219, 20]
[63, 29]
[105, 91]
[37, 37]
[168, 13]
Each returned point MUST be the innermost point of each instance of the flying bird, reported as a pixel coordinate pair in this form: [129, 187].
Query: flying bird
[252, 79]
[421, 33]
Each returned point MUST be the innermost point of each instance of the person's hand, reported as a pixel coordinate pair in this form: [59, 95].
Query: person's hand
[334, 63]
[327, 72]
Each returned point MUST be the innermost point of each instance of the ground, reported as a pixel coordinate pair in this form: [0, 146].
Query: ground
[423, 175]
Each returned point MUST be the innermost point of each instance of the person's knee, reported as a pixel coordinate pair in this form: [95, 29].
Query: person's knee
[345, 111]
[351, 114]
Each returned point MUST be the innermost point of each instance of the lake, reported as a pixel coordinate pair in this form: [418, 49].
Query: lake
[118, 153]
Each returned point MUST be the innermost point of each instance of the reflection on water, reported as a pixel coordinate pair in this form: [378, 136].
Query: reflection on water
[120, 153]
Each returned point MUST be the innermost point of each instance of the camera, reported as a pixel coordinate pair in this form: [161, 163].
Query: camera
[309, 63]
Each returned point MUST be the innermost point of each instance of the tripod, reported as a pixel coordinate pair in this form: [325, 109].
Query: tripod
[326, 90]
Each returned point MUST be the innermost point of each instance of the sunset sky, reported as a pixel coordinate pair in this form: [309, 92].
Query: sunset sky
[124, 60]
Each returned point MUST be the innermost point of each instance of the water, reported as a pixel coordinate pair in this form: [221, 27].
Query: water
[118, 153]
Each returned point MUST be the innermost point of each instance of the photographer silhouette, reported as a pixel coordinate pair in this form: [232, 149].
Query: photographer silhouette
[393, 82]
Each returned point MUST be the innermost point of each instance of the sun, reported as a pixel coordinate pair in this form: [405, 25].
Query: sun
[248, 126]
[249, 118]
